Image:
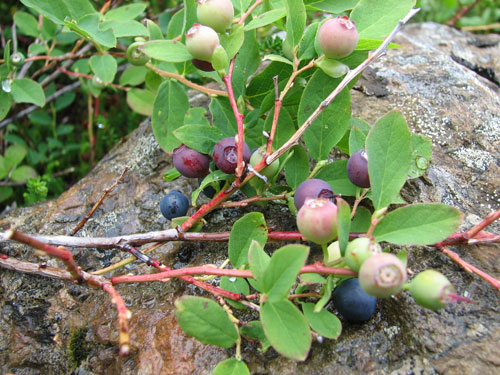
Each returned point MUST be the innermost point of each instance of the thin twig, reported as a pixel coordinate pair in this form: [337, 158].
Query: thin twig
[99, 201]
[245, 202]
[461, 13]
[473, 232]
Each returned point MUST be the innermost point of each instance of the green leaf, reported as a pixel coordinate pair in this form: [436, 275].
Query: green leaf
[133, 76]
[89, 26]
[295, 21]
[323, 322]
[421, 155]
[5, 104]
[266, 18]
[235, 285]
[344, 224]
[176, 25]
[36, 49]
[171, 175]
[418, 224]
[377, 19]
[279, 58]
[154, 31]
[258, 260]
[388, 147]
[233, 41]
[336, 175]
[306, 45]
[25, 90]
[286, 329]
[231, 366]
[206, 321]
[297, 167]
[79, 8]
[262, 84]
[4, 170]
[372, 44]
[337, 6]
[254, 331]
[169, 108]
[361, 220]
[125, 28]
[250, 227]
[356, 140]
[141, 101]
[27, 24]
[126, 12]
[201, 138]
[196, 116]
[311, 278]
[246, 63]
[282, 271]
[189, 15]
[332, 123]
[104, 66]
[5, 193]
[14, 155]
[241, 5]
[327, 294]
[223, 116]
[23, 173]
[55, 10]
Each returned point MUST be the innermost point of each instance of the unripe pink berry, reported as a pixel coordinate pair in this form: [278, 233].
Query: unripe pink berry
[218, 14]
[317, 220]
[338, 37]
[382, 275]
[201, 42]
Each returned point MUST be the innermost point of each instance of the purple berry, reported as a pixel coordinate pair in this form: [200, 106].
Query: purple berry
[352, 302]
[190, 163]
[431, 289]
[218, 14]
[317, 220]
[359, 250]
[357, 169]
[382, 275]
[225, 155]
[201, 42]
[338, 37]
[313, 188]
[203, 65]
[174, 204]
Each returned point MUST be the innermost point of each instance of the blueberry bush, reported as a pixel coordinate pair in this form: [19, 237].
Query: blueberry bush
[292, 106]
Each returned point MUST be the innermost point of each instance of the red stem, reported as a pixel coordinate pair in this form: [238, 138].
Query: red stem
[123, 317]
[277, 108]
[474, 231]
[239, 121]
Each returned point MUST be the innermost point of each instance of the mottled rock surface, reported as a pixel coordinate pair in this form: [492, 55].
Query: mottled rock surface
[444, 82]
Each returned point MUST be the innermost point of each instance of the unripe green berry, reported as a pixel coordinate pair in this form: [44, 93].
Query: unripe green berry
[359, 250]
[201, 42]
[218, 14]
[136, 56]
[97, 82]
[317, 220]
[257, 157]
[382, 275]
[431, 289]
[17, 59]
[333, 255]
[338, 37]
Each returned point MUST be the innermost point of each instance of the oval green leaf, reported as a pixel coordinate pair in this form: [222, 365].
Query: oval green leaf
[250, 227]
[141, 101]
[104, 66]
[26, 90]
[323, 321]
[418, 224]
[166, 50]
[336, 175]
[388, 147]
[201, 138]
[286, 329]
[266, 18]
[297, 167]
[231, 366]
[206, 321]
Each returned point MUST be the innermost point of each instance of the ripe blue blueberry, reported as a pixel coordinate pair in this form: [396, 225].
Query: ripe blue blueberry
[174, 204]
[352, 302]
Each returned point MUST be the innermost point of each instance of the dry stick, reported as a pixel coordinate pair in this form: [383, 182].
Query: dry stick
[277, 109]
[245, 202]
[481, 27]
[470, 268]
[461, 13]
[35, 269]
[185, 81]
[99, 201]
[240, 166]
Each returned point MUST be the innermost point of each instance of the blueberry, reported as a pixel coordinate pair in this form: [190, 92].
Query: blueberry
[174, 204]
[209, 191]
[190, 163]
[357, 169]
[313, 188]
[352, 302]
[225, 155]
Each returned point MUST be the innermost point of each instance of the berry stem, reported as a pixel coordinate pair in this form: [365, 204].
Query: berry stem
[245, 202]
[245, 15]
[239, 121]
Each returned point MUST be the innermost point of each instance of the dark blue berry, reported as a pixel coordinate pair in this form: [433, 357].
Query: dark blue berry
[174, 204]
[352, 302]
[209, 190]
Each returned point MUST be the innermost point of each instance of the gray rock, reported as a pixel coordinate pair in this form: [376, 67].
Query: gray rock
[438, 82]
